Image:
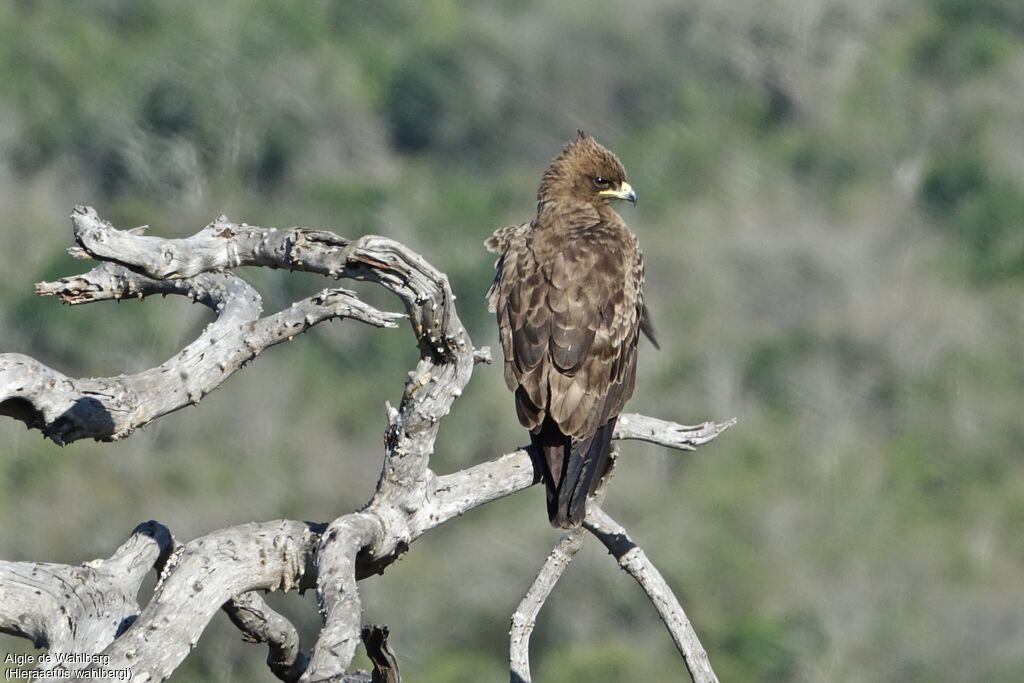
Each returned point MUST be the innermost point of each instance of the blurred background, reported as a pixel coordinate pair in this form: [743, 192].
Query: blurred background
[832, 208]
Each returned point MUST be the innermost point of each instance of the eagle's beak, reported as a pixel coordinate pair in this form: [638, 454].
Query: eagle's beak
[624, 191]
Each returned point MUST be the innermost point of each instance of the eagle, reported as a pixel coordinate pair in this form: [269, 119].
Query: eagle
[568, 296]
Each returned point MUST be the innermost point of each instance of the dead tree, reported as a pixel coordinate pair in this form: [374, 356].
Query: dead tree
[88, 617]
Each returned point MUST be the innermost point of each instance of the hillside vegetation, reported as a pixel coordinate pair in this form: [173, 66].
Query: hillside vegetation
[832, 208]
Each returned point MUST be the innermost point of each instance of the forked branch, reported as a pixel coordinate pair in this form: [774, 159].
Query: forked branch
[636, 563]
[230, 566]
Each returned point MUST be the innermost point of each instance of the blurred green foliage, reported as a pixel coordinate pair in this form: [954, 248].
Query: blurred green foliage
[832, 208]
[983, 209]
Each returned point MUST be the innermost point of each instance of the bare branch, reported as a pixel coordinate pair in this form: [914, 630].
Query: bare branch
[525, 617]
[208, 572]
[224, 244]
[227, 565]
[385, 664]
[205, 573]
[110, 408]
[74, 610]
[483, 355]
[261, 624]
[339, 597]
[458, 492]
[636, 563]
[668, 434]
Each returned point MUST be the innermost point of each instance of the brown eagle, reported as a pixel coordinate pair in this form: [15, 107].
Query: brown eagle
[568, 294]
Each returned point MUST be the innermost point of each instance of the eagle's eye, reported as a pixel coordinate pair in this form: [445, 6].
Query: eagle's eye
[602, 183]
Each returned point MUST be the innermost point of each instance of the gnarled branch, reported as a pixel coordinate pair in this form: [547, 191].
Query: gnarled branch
[110, 408]
[261, 624]
[225, 567]
[75, 610]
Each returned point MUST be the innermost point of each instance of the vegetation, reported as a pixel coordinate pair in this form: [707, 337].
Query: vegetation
[832, 204]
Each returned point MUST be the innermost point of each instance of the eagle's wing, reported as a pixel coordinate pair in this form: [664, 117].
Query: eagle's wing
[569, 312]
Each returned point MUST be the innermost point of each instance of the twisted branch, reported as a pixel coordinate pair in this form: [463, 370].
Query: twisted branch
[74, 610]
[226, 566]
[261, 624]
[111, 408]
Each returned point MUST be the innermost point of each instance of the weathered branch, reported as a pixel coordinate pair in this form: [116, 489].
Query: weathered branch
[385, 664]
[346, 537]
[630, 556]
[668, 434]
[202, 576]
[458, 492]
[224, 567]
[224, 244]
[261, 624]
[75, 610]
[524, 619]
[636, 563]
[110, 408]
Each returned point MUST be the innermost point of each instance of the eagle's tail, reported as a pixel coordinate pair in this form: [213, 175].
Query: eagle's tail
[571, 480]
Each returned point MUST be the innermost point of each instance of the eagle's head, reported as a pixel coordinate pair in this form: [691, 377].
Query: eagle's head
[585, 172]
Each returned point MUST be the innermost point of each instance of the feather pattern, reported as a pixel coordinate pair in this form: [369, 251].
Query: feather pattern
[568, 296]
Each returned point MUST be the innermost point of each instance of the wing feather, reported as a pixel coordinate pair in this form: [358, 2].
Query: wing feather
[569, 310]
